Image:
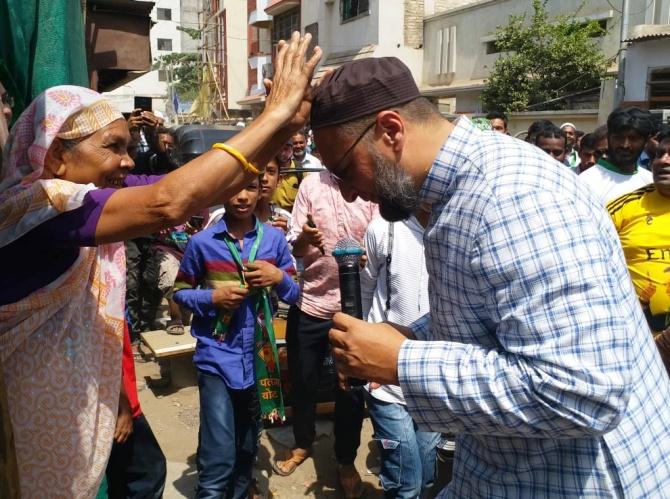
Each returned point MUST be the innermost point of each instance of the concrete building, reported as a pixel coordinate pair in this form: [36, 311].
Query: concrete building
[149, 91]
[345, 29]
[259, 50]
[224, 24]
[647, 67]
[459, 52]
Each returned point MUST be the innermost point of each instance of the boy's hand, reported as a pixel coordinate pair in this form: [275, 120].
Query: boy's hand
[280, 222]
[229, 297]
[261, 274]
[124, 421]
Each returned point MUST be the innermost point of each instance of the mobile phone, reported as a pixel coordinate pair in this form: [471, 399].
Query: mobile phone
[196, 221]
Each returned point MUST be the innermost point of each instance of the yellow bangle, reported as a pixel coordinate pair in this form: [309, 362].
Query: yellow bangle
[246, 164]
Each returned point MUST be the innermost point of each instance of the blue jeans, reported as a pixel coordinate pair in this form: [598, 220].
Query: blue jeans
[408, 455]
[227, 440]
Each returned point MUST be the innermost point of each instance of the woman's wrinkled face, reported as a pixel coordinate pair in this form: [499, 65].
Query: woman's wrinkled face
[101, 158]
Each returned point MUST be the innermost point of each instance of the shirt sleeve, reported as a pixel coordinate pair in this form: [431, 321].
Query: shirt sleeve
[616, 210]
[75, 227]
[288, 290]
[549, 360]
[138, 180]
[190, 275]
[370, 273]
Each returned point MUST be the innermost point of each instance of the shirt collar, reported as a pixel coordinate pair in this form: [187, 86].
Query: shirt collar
[221, 227]
[450, 159]
[609, 166]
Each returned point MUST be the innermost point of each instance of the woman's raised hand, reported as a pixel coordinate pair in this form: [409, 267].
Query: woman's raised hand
[290, 91]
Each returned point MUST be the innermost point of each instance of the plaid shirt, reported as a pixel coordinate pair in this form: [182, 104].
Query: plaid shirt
[536, 352]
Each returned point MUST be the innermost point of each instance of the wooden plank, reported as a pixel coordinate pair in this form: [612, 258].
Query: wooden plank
[163, 344]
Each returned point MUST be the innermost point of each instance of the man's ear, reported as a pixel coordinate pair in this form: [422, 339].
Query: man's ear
[54, 160]
[393, 128]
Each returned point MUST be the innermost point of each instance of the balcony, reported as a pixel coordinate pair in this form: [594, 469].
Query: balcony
[276, 7]
[259, 18]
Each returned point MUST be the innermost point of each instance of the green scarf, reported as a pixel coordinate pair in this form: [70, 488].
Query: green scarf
[266, 358]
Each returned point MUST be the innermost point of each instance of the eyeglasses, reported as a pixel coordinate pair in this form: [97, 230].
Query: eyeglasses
[335, 171]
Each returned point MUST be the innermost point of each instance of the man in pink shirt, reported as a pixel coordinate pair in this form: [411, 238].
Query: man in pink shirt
[310, 320]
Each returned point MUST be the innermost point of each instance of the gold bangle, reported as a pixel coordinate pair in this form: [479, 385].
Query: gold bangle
[246, 164]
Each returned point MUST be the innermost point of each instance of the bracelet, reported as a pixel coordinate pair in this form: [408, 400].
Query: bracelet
[246, 164]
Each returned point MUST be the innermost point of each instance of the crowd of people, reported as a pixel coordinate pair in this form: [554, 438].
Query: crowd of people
[516, 293]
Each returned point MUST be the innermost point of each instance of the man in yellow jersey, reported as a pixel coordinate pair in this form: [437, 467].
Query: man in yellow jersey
[642, 219]
[287, 188]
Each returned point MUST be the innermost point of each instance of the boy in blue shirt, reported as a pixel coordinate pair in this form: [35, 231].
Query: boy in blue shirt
[234, 263]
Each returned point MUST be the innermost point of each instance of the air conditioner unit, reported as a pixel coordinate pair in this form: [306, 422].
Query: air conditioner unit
[661, 116]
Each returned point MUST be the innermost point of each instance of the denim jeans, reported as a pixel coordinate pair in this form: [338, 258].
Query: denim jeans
[227, 440]
[408, 455]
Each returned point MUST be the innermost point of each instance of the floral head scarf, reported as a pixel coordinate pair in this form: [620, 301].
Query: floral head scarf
[65, 111]
[28, 197]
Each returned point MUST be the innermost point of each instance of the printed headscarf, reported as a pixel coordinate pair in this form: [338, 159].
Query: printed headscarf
[65, 111]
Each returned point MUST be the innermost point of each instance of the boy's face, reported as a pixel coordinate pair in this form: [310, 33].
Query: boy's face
[553, 146]
[242, 205]
[269, 181]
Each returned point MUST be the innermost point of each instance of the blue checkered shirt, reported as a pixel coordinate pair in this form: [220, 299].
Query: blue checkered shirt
[536, 353]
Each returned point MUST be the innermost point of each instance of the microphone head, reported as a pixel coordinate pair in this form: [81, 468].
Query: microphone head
[347, 252]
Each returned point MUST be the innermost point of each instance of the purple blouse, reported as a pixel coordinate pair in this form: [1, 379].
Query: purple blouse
[46, 252]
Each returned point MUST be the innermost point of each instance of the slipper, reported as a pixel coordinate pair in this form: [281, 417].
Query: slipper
[288, 466]
[175, 329]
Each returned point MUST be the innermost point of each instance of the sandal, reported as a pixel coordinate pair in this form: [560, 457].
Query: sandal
[288, 466]
[176, 328]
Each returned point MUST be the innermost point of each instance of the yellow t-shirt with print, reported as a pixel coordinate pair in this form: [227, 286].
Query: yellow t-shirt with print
[287, 189]
[642, 219]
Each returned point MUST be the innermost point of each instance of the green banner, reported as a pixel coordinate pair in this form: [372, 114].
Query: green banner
[41, 45]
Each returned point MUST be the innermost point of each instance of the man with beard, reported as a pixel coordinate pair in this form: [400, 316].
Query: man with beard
[301, 157]
[628, 130]
[571, 153]
[309, 320]
[535, 351]
[642, 219]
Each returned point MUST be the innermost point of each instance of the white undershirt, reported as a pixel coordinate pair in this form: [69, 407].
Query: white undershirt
[408, 278]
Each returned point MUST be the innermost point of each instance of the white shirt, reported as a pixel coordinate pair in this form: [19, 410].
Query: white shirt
[609, 185]
[309, 161]
[408, 282]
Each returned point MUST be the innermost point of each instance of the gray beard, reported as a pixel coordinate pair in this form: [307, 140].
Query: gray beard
[394, 187]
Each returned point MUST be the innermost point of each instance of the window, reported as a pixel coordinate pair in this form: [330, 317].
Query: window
[312, 29]
[164, 14]
[285, 24]
[164, 44]
[492, 47]
[162, 75]
[659, 88]
[445, 50]
[350, 9]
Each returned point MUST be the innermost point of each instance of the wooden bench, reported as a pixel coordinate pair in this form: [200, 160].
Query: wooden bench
[164, 346]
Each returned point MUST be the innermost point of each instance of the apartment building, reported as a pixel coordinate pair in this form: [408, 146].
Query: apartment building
[459, 50]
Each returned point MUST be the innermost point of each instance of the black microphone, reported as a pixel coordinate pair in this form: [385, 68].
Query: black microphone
[348, 254]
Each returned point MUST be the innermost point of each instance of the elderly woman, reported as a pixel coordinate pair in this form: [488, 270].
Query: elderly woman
[63, 217]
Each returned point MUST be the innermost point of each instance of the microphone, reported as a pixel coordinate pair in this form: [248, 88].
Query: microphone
[348, 254]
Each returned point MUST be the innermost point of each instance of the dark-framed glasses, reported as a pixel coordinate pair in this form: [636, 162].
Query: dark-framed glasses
[336, 170]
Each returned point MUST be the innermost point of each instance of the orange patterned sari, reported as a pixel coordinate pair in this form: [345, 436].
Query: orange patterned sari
[60, 347]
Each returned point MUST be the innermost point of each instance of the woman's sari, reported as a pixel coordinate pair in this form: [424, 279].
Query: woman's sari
[60, 347]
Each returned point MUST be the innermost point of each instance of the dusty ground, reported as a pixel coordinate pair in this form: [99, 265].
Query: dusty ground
[173, 414]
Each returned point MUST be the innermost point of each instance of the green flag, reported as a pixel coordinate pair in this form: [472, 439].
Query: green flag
[41, 45]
